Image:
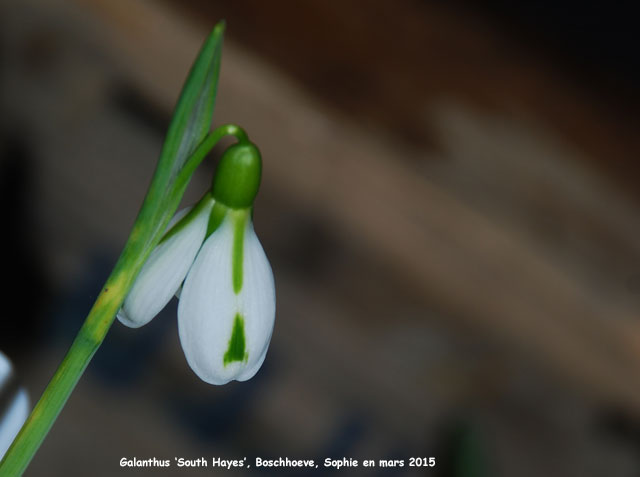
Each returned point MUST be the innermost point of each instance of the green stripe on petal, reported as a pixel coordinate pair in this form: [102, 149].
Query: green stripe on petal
[202, 205]
[236, 349]
[239, 226]
[218, 213]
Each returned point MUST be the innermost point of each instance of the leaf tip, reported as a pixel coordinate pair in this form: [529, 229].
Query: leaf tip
[220, 27]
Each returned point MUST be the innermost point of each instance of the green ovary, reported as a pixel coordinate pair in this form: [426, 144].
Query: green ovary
[236, 350]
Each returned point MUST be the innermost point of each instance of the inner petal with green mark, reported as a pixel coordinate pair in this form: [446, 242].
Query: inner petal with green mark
[236, 350]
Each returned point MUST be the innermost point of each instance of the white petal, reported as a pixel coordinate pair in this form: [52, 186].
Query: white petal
[11, 422]
[164, 271]
[257, 302]
[16, 412]
[208, 307]
[5, 369]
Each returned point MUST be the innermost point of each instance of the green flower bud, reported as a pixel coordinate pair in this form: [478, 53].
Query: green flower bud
[237, 177]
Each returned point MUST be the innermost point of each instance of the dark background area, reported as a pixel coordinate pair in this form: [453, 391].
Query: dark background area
[596, 37]
[449, 204]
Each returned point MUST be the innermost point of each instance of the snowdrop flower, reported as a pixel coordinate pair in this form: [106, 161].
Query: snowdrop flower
[226, 311]
[14, 405]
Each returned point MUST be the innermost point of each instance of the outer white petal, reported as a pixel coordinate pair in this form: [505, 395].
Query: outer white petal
[13, 416]
[164, 271]
[5, 369]
[208, 306]
[12, 420]
[257, 303]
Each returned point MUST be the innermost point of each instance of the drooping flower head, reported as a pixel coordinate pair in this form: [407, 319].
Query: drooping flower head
[226, 311]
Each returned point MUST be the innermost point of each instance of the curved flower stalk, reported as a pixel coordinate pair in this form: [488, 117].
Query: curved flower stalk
[226, 311]
[14, 405]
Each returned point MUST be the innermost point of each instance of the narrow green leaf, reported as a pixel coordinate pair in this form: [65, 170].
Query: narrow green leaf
[190, 124]
[193, 114]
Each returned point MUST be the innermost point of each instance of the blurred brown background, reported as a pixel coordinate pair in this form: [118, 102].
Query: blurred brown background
[449, 203]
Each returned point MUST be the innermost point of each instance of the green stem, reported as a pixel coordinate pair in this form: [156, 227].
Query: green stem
[103, 312]
[55, 396]
[205, 146]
